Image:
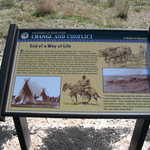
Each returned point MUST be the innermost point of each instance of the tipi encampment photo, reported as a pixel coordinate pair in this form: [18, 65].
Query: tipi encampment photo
[36, 92]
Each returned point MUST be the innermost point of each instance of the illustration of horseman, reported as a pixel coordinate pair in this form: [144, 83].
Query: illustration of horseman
[83, 89]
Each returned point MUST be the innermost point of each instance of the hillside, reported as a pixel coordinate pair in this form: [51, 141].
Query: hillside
[72, 14]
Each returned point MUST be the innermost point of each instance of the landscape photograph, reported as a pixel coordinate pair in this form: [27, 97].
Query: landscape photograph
[126, 80]
[36, 92]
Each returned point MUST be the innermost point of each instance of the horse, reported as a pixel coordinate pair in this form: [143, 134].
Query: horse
[91, 93]
[76, 90]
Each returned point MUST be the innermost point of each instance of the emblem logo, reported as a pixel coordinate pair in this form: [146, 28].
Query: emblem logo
[24, 35]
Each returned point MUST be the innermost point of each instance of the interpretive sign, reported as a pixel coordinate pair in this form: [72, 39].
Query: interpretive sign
[76, 72]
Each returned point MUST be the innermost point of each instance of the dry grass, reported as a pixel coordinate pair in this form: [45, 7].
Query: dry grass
[68, 12]
[73, 14]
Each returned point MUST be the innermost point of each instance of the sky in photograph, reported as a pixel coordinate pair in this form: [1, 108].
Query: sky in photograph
[51, 85]
[125, 71]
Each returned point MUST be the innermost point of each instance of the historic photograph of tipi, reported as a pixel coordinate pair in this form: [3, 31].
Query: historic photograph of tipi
[37, 92]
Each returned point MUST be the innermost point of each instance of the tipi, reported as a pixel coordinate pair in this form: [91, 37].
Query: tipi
[29, 92]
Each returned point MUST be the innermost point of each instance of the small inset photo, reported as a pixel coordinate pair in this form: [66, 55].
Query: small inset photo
[40, 92]
[126, 80]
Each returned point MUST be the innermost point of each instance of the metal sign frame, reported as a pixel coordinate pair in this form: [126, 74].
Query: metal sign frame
[6, 65]
[21, 125]
[8, 59]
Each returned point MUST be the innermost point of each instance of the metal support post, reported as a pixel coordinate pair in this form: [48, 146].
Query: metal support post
[22, 130]
[139, 134]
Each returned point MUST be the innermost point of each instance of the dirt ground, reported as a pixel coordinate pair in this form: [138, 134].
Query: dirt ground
[72, 134]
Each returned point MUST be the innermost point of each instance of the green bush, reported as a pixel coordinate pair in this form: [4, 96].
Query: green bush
[140, 2]
[111, 3]
[8, 3]
[137, 9]
[1, 35]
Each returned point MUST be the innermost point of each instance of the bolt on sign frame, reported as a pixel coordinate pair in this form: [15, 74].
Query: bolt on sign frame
[76, 73]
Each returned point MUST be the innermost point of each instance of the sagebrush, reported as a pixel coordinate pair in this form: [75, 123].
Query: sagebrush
[45, 7]
[122, 8]
[111, 3]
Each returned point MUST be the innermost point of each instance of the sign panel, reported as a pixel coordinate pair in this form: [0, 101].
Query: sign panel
[80, 72]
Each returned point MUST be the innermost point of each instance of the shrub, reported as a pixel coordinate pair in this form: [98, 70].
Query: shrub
[111, 3]
[8, 3]
[140, 2]
[94, 2]
[1, 35]
[45, 7]
[137, 9]
[122, 7]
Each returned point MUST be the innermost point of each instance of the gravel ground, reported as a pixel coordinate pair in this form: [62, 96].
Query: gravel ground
[72, 134]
